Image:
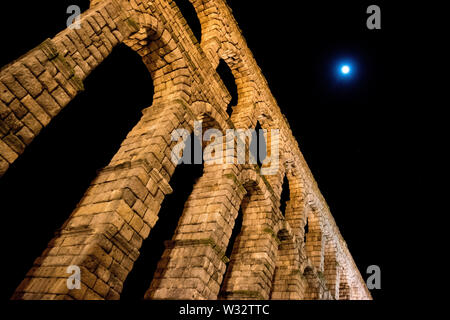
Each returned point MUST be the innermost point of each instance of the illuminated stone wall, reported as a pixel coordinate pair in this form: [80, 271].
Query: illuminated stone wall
[272, 257]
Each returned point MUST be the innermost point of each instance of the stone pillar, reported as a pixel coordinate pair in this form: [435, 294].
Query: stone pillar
[296, 214]
[193, 263]
[331, 268]
[296, 211]
[344, 288]
[314, 240]
[105, 232]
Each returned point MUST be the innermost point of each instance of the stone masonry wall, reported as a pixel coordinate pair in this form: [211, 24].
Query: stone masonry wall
[272, 258]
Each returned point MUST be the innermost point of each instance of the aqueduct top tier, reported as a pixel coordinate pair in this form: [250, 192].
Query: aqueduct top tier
[272, 258]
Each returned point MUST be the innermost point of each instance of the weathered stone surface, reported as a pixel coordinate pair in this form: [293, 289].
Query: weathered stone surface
[18, 109]
[47, 80]
[49, 104]
[5, 95]
[61, 97]
[36, 110]
[25, 135]
[7, 153]
[4, 165]
[4, 128]
[274, 257]
[26, 79]
[14, 143]
[13, 123]
[34, 65]
[12, 84]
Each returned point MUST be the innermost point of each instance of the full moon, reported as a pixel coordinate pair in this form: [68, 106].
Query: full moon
[345, 69]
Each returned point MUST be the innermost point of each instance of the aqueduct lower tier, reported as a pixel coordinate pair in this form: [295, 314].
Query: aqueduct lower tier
[272, 258]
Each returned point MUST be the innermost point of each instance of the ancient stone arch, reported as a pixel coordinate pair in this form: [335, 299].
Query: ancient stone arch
[104, 234]
[287, 280]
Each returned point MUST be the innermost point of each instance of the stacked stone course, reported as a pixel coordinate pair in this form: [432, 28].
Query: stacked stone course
[103, 235]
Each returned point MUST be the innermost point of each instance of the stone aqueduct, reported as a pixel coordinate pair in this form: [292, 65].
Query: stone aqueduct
[272, 258]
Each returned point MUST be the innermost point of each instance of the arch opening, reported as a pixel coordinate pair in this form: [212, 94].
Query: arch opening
[344, 288]
[249, 274]
[236, 231]
[59, 165]
[184, 178]
[286, 279]
[232, 248]
[285, 195]
[312, 284]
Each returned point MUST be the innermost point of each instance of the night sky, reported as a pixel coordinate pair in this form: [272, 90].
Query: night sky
[344, 128]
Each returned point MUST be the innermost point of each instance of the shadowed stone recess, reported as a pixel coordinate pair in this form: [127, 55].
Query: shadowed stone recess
[273, 256]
